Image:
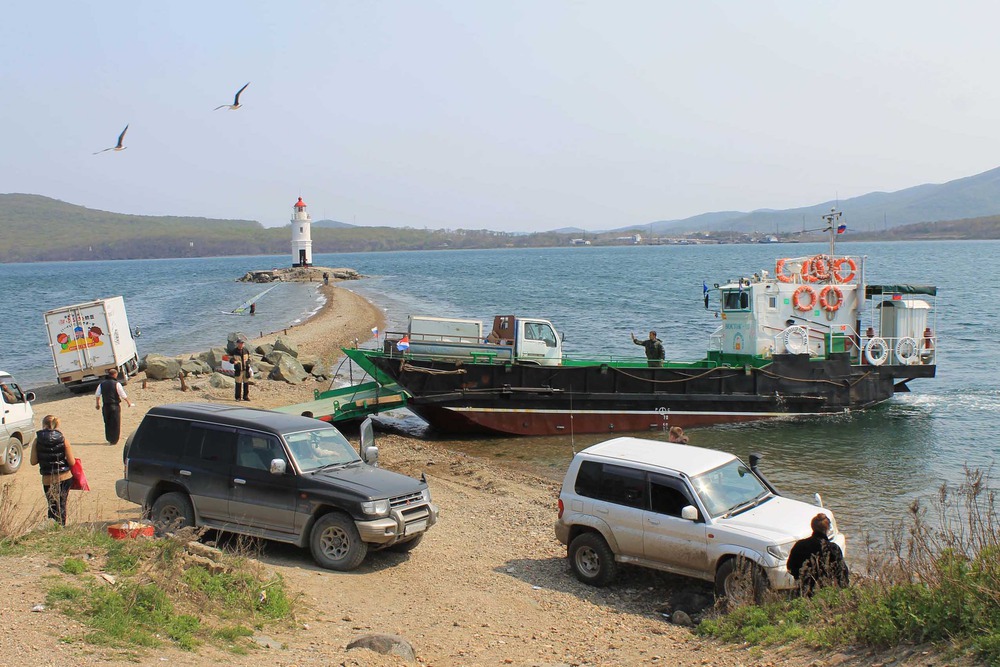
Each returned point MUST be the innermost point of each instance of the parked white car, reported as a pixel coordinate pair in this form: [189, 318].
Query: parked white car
[17, 424]
[680, 509]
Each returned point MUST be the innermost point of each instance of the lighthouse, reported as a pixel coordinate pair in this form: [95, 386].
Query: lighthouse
[302, 245]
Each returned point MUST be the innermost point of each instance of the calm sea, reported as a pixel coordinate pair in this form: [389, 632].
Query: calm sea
[867, 466]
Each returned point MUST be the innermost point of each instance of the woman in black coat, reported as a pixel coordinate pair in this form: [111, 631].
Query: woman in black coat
[54, 457]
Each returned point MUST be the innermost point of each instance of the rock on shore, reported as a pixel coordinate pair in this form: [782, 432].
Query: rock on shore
[309, 274]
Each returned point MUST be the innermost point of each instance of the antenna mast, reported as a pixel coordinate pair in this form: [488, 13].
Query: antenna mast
[832, 219]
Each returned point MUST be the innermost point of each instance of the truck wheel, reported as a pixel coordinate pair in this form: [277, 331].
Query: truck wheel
[336, 544]
[171, 512]
[592, 560]
[15, 455]
[408, 545]
[740, 581]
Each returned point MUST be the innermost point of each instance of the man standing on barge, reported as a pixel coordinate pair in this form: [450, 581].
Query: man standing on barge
[654, 349]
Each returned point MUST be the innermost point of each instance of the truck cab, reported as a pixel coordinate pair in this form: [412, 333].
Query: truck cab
[17, 423]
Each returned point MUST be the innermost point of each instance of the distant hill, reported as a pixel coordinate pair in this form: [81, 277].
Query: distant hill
[570, 230]
[330, 224]
[964, 198]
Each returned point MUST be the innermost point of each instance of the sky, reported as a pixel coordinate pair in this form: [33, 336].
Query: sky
[520, 115]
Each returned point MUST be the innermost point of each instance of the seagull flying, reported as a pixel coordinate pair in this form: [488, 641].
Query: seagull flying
[119, 147]
[236, 101]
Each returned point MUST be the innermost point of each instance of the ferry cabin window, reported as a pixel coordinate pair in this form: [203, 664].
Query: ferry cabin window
[735, 300]
[542, 332]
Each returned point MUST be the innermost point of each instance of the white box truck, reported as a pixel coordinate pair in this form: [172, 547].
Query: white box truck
[89, 339]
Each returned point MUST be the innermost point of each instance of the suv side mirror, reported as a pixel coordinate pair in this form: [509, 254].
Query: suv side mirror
[278, 466]
[368, 450]
[690, 512]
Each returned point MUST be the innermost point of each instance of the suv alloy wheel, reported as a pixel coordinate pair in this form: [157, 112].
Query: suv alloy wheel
[592, 560]
[336, 543]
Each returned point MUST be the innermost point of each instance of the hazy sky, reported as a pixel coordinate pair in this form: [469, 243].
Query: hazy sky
[509, 115]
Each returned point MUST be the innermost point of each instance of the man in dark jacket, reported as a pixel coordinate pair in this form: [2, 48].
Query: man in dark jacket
[241, 370]
[816, 561]
[654, 349]
[113, 394]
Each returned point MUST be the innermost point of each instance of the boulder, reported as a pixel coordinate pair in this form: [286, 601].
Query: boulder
[320, 371]
[220, 381]
[231, 341]
[196, 367]
[274, 356]
[285, 345]
[308, 361]
[159, 367]
[288, 369]
[214, 357]
[264, 349]
[386, 645]
[345, 274]
[262, 369]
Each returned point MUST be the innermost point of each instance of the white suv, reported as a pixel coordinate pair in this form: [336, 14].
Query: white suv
[687, 510]
[17, 424]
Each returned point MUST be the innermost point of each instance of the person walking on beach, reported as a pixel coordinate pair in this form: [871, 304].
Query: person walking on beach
[816, 561]
[113, 393]
[54, 457]
[654, 349]
[241, 370]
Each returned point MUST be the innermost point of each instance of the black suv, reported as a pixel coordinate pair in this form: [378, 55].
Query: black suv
[271, 475]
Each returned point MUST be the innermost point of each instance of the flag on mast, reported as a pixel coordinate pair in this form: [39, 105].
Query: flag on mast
[375, 331]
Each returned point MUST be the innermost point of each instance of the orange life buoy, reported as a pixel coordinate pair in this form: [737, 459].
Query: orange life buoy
[806, 271]
[779, 271]
[804, 289]
[831, 306]
[838, 276]
[819, 266]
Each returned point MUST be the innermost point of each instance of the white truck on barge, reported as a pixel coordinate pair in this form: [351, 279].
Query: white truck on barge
[89, 339]
[521, 339]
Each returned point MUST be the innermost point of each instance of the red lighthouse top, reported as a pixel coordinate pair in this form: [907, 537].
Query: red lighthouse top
[300, 203]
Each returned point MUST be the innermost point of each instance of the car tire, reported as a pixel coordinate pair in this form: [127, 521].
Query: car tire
[171, 512]
[336, 544]
[592, 560]
[740, 581]
[14, 458]
[408, 545]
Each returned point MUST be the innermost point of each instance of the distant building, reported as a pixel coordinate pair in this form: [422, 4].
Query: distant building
[302, 245]
[579, 242]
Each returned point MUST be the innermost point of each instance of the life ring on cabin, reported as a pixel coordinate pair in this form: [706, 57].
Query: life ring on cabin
[804, 289]
[831, 306]
[819, 267]
[907, 350]
[876, 351]
[779, 271]
[840, 278]
[806, 271]
[796, 340]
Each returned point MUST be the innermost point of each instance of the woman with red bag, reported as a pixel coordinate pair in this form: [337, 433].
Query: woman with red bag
[54, 457]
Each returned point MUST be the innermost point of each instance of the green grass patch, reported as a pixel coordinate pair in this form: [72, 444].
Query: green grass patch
[158, 597]
[73, 566]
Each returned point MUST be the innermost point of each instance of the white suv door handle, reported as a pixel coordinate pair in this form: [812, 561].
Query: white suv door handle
[654, 522]
[239, 481]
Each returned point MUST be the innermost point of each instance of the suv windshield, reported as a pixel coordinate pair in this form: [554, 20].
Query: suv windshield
[320, 448]
[729, 488]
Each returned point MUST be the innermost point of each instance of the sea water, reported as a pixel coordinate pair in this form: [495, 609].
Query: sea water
[867, 466]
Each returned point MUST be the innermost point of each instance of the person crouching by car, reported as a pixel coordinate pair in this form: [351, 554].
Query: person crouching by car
[816, 561]
[54, 457]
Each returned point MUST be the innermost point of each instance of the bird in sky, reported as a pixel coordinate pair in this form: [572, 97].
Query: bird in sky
[236, 101]
[119, 147]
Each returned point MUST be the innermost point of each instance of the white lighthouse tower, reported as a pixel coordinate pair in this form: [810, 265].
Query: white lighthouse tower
[302, 245]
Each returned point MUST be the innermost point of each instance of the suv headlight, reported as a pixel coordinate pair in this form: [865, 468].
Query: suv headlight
[780, 551]
[376, 507]
[426, 493]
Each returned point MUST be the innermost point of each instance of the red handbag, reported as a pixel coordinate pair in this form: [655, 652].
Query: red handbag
[79, 478]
